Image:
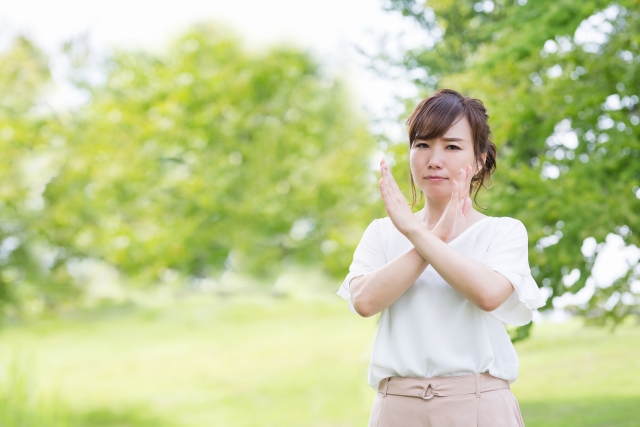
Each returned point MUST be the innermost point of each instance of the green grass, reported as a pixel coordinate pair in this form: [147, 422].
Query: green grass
[22, 404]
[290, 362]
[576, 376]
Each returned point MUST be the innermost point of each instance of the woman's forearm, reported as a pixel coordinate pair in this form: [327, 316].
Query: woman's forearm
[480, 284]
[375, 291]
[477, 282]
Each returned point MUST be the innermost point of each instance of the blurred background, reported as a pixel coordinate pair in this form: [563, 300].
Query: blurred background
[182, 186]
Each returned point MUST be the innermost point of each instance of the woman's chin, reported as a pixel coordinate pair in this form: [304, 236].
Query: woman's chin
[433, 193]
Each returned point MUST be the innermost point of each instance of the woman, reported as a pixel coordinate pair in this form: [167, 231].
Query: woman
[446, 280]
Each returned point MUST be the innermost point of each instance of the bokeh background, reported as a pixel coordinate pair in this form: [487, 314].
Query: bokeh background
[182, 186]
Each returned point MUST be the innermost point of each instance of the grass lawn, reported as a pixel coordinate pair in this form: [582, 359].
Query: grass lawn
[206, 361]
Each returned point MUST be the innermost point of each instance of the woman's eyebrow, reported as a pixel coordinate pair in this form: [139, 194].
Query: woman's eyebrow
[451, 138]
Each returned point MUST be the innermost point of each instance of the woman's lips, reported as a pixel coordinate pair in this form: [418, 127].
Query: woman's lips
[435, 179]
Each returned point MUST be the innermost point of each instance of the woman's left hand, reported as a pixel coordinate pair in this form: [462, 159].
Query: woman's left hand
[395, 203]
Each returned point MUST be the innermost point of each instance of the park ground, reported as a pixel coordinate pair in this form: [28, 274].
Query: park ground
[245, 361]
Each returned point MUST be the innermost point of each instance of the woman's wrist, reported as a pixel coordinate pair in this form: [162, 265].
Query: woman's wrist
[439, 235]
[419, 229]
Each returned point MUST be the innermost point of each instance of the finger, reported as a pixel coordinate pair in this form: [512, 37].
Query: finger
[466, 207]
[389, 204]
[469, 177]
[384, 199]
[461, 183]
[384, 191]
[454, 192]
[385, 175]
[392, 185]
[389, 176]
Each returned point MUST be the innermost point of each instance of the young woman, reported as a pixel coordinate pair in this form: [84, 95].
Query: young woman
[446, 280]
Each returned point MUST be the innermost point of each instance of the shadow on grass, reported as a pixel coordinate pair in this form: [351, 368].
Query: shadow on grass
[21, 405]
[129, 417]
[598, 411]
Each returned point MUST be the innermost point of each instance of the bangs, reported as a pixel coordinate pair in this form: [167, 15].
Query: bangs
[433, 117]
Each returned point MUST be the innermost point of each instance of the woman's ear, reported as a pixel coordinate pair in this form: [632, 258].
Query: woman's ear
[481, 163]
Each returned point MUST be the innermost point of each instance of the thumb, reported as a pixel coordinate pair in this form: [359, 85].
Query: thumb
[455, 188]
[466, 207]
[454, 203]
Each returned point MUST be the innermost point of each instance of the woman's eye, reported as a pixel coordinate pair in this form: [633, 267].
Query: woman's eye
[423, 145]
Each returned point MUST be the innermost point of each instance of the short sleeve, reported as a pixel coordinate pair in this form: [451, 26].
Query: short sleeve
[508, 254]
[369, 256]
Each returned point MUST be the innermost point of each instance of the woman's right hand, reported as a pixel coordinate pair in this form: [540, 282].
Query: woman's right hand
[454, 218]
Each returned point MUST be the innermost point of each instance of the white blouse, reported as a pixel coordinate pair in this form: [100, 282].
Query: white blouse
[432, 330]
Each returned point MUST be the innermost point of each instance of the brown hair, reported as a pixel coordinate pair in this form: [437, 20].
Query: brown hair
[435, 115]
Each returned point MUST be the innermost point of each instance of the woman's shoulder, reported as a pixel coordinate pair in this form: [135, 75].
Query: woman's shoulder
[507, 221]
[507, 226]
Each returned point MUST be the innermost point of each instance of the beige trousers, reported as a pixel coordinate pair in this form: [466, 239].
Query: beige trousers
[479, 400]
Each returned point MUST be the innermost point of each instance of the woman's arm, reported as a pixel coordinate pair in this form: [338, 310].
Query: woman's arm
[375, 291]
[475, 281]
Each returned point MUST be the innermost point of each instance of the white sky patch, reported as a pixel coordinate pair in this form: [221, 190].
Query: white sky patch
[550, 46]
[571, 278]
[605, 122]
[563, 135]
[328, 29]
[561, 44]
[614, 260]
[594, 31]
[554, 72]
[550, 240]
[301, 228]
[613, 103]
[589, 246]
[581, 297]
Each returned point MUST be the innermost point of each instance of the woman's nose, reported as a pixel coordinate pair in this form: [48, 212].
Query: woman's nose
[435, 159]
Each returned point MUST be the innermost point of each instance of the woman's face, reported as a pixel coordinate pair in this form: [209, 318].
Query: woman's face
[436, 163]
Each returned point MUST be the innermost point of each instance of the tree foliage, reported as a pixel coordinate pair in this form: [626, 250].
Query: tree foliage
[561, 82]
[25, 143]
[200, 159]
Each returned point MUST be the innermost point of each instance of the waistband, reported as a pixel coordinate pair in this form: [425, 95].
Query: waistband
[428, 388]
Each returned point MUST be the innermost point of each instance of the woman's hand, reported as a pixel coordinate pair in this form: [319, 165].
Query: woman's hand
[395, 202]
[454, 218]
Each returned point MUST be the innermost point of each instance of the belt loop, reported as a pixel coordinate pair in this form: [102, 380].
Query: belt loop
[386, 384]
[477, 385]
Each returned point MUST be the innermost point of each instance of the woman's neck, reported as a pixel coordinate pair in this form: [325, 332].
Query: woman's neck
[433, 210]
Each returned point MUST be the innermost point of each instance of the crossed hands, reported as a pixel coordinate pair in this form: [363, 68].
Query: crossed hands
[453, 219]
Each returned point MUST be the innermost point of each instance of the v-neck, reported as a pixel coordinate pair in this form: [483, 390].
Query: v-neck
[469, 228]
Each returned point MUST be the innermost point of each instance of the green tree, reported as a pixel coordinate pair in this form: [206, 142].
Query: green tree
[28, 148]
[205, 158]
[561, 83]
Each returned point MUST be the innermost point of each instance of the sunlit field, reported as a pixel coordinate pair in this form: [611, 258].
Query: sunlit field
[281, 361]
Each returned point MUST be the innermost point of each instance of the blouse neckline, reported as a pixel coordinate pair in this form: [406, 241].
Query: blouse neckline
[469, 228]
